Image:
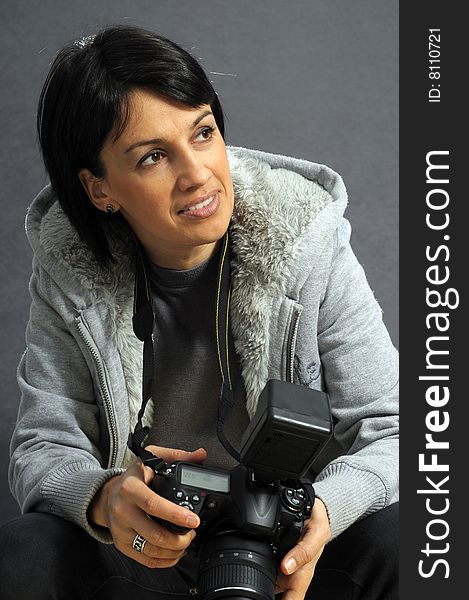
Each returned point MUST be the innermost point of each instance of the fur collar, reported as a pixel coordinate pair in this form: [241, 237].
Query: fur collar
[273, 209]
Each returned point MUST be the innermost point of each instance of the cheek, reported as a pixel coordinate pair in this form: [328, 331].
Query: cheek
[229, 186]
[122, 188]
[149, 196]
[224, 172]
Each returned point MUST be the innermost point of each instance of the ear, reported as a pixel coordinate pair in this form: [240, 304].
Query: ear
[96, 189]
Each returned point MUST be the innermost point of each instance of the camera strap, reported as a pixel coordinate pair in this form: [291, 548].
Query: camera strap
[142, 321]
[143, 326]
[226, 400]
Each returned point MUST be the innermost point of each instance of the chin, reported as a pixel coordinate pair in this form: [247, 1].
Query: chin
[216, 229]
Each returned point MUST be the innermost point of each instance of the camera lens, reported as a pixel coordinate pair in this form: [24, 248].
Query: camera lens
[236, 566]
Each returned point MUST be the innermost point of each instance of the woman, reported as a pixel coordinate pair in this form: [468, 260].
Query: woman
[131, 133]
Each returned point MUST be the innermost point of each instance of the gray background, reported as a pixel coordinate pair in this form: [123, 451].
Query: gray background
[316, 79]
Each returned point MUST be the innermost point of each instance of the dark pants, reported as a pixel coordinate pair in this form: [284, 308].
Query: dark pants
[43, 557]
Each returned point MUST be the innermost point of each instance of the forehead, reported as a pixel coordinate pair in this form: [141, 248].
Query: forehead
[151, 113]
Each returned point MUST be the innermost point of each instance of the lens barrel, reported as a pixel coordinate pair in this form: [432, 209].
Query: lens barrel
[235, 566]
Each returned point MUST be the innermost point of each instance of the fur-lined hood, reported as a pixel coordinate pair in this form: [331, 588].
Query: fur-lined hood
[286, 211]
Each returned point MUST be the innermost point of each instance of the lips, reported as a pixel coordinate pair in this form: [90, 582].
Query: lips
[202, 207]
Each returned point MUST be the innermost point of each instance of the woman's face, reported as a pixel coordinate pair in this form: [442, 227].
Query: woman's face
[168, 174]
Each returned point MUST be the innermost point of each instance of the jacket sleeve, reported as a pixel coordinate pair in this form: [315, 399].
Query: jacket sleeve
[360, 366]
[55, 463]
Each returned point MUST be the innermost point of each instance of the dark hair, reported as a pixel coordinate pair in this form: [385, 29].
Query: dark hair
[86, 98]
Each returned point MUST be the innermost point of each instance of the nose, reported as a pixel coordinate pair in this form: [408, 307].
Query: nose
[192, 171]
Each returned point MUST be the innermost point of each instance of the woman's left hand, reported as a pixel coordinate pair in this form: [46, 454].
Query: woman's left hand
[298, 565]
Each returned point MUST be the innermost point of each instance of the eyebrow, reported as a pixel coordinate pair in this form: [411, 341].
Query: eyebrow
[156, 141]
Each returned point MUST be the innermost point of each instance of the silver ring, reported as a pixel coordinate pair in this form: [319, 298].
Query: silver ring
[139, 543]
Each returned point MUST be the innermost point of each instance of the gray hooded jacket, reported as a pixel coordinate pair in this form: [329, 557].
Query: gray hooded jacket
[301, 311]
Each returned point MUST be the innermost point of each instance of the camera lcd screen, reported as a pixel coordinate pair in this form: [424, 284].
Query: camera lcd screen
[202, 478]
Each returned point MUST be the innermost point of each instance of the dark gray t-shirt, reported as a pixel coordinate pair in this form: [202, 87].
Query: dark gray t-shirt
[187, 379]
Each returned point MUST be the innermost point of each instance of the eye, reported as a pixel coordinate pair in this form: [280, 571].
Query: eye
[206, 133]
[152, 159]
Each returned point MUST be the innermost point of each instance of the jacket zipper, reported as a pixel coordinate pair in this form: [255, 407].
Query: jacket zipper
[104, 390]
[293, 332]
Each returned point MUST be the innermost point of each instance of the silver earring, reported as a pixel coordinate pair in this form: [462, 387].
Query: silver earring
[109, 209]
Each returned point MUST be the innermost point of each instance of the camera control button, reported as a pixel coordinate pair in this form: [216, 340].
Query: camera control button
[195, 498]
[186, 504]
[292, 501]
[179, 494]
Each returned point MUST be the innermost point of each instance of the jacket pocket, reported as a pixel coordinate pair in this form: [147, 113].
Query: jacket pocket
[307, 371]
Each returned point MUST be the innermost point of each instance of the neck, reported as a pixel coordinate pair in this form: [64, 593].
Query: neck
[186, 258]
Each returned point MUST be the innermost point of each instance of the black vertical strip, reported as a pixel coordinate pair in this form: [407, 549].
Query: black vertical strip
[433, 300]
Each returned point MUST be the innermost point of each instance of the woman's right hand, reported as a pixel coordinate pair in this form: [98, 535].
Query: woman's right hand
[123, 505]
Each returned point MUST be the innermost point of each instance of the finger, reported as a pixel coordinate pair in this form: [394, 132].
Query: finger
[159, 563]
[173, 454]
[157, 506]
[154, 551]
[303, 553]
[295, 586]
[292, 565]
[149, 556]
[158, 536]
[311, 542]
[152, 563]
[138, 471]
[162, 553]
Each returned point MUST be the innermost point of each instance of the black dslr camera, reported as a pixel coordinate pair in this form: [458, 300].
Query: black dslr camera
[252, 515]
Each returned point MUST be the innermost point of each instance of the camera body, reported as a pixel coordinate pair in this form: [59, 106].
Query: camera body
[237, 500]
[254, 513]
